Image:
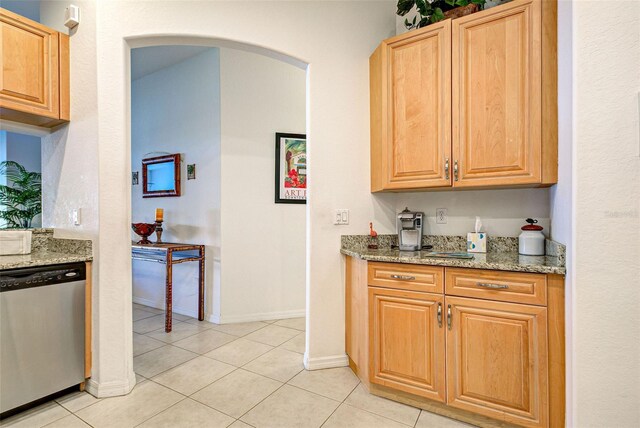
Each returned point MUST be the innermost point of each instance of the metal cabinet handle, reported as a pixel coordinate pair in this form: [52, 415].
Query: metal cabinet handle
[446, 168]
[440, 315]
[403, 277]
[449, 317]
[492, 286]
[455, 170]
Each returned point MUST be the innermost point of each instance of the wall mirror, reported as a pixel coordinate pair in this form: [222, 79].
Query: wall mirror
[161, 176]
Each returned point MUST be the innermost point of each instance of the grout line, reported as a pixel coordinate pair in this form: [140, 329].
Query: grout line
[144, 318]
[211, 407]
[170, 368]
[164, 410]
[220, 361]
[417, 419]
[155, 349]
[173, 323]
[269, 377]
[86, 407]
[259, 402]
[209, 384]
[341, 403]
[381, 416]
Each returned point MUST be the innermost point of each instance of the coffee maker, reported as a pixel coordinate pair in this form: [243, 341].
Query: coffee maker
[409, 226]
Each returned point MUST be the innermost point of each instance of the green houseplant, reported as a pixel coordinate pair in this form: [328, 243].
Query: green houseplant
[431, 11]
[21, 198]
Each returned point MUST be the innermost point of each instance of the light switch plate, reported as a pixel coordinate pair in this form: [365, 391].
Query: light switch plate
[341, 217]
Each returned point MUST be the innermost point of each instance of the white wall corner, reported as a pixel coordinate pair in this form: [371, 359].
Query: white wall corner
[319, 363]
[112, 388]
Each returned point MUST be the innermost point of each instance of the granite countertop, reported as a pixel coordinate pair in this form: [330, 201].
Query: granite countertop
[41, 258]
[47, 250]
[501, 255]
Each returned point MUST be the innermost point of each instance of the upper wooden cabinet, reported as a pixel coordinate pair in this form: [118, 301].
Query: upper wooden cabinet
[34, 84]
[411, 110]
[467, 103]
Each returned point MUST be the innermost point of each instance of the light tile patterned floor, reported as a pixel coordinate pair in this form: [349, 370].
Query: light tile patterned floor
[232, 375]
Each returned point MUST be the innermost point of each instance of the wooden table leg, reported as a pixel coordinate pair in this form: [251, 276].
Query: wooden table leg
[201, 286]
[169, 294]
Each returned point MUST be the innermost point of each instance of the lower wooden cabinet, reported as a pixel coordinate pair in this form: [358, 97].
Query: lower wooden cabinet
[407, 341]
[483, 355]
[497, 360]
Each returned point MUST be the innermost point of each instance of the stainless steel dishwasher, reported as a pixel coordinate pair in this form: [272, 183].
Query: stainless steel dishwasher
[41, 332]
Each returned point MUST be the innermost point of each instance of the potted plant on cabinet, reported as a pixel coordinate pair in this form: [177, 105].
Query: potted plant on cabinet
[436, 10]
[21, 197]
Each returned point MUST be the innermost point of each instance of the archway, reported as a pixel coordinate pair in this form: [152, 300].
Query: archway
[113, 248]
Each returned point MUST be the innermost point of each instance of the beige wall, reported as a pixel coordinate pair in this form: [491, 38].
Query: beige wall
[606, 177]
[263, 243]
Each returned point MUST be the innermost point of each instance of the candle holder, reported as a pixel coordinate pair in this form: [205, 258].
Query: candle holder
[158, 231]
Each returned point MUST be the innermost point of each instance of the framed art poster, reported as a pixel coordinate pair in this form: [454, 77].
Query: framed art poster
[291, 168]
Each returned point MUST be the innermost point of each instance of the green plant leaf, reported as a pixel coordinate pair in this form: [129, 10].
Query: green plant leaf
[462, 2]
[22, 200]
[450, 2]
[479, 2]
[437, 15]
[424, 7]
[424, 22]
[405, 6]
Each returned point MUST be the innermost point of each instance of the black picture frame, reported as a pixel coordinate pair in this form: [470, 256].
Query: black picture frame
[279, 179]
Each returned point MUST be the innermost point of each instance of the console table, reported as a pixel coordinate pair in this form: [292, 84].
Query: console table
[170, 254]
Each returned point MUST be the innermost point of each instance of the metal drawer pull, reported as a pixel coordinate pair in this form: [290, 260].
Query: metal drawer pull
[439, 314]
[446, 168]
[449, 317]
[403, 277]
[492, 286]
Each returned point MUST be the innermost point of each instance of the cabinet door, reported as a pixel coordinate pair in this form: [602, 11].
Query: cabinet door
[497, 360]
[416, 79]
[407, 342]
[29, 79]
[496, 69]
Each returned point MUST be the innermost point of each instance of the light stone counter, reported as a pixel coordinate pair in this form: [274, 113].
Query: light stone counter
[47, 250]
[502, 255]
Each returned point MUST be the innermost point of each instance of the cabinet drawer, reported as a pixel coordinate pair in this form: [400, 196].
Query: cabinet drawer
[406, 277]
[513, 287]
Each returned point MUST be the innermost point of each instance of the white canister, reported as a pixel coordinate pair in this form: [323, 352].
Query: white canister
[531, 241]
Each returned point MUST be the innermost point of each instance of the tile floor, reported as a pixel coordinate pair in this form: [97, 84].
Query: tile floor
[232, 375]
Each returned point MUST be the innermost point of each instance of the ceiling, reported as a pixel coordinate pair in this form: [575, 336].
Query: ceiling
[149, 60]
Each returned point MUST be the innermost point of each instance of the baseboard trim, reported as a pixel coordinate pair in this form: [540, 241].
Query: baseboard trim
[261, 316]
[329, 362]
[225, 319]
[111, 389]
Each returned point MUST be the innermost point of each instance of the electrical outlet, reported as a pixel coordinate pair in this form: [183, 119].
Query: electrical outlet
[341, 216]
[441, 216]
